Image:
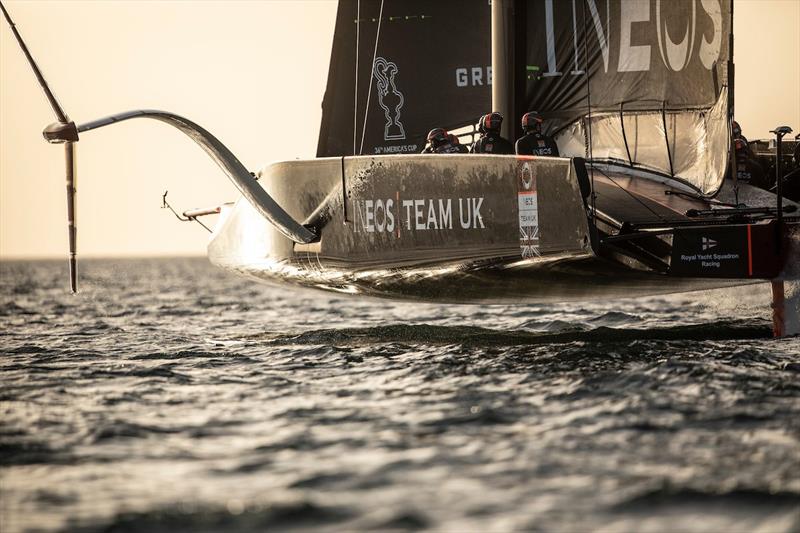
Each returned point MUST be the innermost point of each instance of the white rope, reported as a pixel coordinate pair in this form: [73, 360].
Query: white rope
[371, 73]
[355, 88]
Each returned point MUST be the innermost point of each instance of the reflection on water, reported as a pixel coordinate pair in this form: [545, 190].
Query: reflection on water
[170, 396]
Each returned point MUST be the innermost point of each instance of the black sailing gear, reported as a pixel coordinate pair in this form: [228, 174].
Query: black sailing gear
[492, 143]
[460, 147]
[537, 144]
[534, 142]
[747, 168]
[442, 142]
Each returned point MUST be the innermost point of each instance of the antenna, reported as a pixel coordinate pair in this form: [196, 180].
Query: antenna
[62, 131]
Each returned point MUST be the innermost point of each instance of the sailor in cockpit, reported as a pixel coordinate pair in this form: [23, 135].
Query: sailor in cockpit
[490, 141]
[748, 169]
[441, 142]
[534, 142]
[455, 142]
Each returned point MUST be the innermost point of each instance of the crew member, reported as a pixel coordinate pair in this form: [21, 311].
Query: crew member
[737, 133]
[534, 142]
[455, 142]
[791, 179]
[748, 170]
[490, 141]
[439, 143]
[743, 145]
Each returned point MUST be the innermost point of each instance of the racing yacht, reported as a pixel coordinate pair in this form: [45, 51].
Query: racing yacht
[637, 205]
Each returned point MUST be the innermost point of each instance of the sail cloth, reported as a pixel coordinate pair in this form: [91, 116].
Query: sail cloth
[644, 79]
[432, 68]
[655, 85]
[690, 145]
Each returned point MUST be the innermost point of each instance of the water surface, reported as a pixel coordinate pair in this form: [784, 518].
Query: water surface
[171, 396]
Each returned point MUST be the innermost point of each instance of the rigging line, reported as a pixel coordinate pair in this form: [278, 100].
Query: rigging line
[206, 227]
[165, 204]
[666, 136]
[355, 87]
[675, 235]
[624, 136]
[61, 115]
[732, 165]
[629, 193]
[588, 134]
[371, 74]
[691, 196]
[730, 93]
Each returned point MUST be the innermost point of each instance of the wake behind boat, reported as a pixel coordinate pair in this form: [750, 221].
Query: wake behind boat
[640, 204]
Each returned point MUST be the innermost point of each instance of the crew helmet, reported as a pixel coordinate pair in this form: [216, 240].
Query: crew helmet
[437, 137]
[532, 122]
[492, 121]
[453, 139]
[480, 124]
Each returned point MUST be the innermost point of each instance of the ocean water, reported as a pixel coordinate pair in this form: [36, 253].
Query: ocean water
[171, 396]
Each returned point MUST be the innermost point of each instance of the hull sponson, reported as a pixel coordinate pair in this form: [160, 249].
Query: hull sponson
[470, 228]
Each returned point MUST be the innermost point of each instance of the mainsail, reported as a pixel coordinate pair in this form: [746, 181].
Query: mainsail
[643, 83]
[649, 76]
[416, 65]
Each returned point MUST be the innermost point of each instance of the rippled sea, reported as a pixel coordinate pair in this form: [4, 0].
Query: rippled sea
[171, 396]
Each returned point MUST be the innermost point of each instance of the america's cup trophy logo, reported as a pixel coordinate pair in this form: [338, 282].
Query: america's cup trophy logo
[389, 98]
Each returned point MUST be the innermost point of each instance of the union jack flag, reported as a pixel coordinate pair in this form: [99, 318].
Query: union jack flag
[529, 241]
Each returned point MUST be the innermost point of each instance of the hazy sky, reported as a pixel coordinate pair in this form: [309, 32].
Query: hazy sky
[253, 73]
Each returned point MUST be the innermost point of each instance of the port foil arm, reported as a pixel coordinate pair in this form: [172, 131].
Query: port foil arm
[233, 168]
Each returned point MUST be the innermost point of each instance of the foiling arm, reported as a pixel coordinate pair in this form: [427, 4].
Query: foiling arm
[228, 162]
